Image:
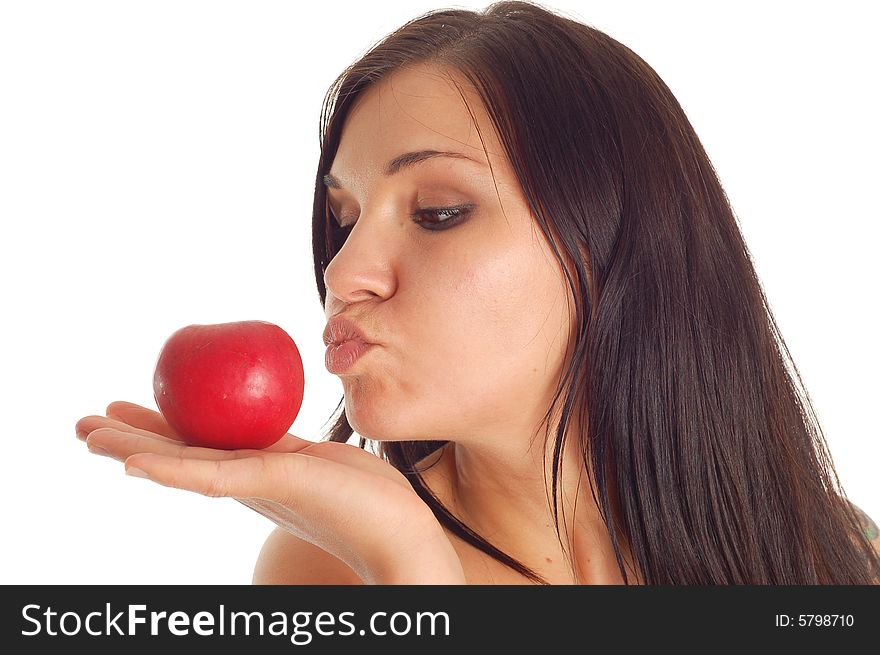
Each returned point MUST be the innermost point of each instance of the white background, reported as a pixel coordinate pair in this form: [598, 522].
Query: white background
[157, 162]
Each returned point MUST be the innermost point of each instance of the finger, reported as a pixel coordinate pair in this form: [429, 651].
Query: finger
[88, 424]
[245, 477]
[121, 444]
[152, 421]
[287, 444]
[141, 417]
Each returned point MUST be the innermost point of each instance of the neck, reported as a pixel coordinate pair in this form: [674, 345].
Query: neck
[503, 496]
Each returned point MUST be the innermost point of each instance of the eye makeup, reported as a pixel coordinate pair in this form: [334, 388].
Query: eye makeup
[432, 219]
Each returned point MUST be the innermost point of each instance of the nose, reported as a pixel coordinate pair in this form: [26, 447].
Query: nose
[362, 269]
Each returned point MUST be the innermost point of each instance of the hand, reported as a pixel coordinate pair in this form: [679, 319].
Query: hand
[339, 497]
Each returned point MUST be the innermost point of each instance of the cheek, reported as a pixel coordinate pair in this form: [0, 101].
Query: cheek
[480, 348]
[501, 327]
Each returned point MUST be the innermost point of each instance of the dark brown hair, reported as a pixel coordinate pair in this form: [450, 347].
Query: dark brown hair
[706, 456]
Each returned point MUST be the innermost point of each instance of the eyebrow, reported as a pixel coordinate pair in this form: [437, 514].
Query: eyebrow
[405, 161]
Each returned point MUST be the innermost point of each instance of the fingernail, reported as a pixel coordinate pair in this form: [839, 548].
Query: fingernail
[97, 450]
[136, 472]
[81, 435]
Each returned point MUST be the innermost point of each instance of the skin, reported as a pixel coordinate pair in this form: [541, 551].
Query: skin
[868, 525]
[472, 323]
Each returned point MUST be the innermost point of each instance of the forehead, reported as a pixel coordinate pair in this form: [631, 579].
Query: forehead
[416, 108]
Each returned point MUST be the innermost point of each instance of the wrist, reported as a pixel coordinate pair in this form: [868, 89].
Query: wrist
[428, 560]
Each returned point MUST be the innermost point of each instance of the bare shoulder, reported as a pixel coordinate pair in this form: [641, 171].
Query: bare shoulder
[869, 527]
[287, 559]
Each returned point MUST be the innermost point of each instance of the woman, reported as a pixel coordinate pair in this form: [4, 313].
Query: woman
[514, 210]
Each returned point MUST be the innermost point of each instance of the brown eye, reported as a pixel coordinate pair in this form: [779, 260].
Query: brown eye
[445, 217]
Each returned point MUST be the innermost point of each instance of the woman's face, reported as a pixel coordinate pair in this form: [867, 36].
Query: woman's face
[471, 321]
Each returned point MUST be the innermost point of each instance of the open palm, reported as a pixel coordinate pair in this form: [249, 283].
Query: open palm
[337, 496]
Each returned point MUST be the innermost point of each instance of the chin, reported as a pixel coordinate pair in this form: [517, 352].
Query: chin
[380, 430]
[390, 421]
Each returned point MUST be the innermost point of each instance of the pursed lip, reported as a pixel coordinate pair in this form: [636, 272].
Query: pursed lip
[339, 330]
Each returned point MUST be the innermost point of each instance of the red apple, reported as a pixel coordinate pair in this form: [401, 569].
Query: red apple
[229, 385]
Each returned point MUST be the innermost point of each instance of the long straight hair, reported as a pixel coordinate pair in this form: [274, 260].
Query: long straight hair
[703, 451]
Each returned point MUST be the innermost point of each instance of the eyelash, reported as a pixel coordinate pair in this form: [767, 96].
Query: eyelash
[459, 213]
